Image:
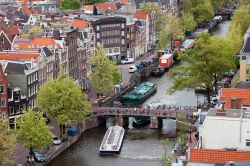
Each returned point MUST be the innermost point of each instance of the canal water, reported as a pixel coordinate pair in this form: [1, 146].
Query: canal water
[142, 146]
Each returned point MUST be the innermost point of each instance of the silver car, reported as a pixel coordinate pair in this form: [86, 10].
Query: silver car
[56, 140]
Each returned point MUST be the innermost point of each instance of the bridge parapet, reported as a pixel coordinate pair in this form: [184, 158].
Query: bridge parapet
[161, 113]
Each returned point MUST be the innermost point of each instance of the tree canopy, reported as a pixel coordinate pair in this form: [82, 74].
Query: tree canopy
[157, 12]
[91, 2]
[187, 22]
[63, 100]
[204, 64]
[203, 11]
[171, 29]
[7, 144]
[70, 4]
[33, 131]
[105, 74]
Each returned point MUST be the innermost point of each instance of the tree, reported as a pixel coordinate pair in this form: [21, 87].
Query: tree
[105, 74]
[235, 37]
[70, 4]
[157, 11]
[241, 18]
[91, 2]
[171, 29]
[33, 133]
[187, 22]
[7, 144]
[203, 65]
[186, 5]
[63, 100]
[203, 12]
[166, 157]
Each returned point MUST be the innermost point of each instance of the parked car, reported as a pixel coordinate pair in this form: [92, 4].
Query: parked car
[132, 69]
[127, 61]
[56, 140]
[39, 157]
[73, 131]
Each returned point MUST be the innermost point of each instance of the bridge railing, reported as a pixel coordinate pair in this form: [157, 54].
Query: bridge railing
[164, 113]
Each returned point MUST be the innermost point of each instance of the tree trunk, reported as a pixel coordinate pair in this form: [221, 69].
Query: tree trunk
[30, 161]
[208, 95]
[61, 130]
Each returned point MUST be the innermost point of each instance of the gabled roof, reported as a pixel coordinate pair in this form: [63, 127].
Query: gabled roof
[19, 56]
[11, 31]
[141, 15]
[106, 6]
[46, 51]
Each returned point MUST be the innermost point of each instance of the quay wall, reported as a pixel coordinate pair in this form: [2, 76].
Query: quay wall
[57, 150]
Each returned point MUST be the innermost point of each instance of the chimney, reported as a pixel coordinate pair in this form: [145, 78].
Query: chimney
[234, 103]
[56, 34]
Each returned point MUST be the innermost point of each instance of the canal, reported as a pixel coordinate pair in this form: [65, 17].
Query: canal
[142, 146]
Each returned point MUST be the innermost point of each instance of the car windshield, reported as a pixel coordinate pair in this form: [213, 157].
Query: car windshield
[38, 154]
[55, 138]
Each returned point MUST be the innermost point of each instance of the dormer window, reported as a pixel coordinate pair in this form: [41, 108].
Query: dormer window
[2, 40]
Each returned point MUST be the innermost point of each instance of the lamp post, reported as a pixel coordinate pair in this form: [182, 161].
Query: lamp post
[190, 133]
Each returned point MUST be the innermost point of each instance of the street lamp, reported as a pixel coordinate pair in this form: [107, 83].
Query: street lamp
[190, 133]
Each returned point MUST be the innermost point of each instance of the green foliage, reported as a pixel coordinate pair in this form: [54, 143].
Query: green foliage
[210, 57]
[7, 144]
[171, 29]
[91, 2]
[203, 11]
[33, 131]
[70, 4]
[235, 37]
[187, 22]
[105, 74]
[157, 11]
[166, 158]
[63, 100]
[186, 5]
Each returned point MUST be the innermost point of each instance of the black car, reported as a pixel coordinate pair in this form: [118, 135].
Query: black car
[39, 157]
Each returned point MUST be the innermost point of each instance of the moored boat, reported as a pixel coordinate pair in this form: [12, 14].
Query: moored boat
[140, 93]
[141, 121]
[112, 141]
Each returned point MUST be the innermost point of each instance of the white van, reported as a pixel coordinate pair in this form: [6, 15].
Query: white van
[132, 69]
[127, 61]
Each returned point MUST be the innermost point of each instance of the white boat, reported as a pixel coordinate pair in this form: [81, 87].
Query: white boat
[112, 141]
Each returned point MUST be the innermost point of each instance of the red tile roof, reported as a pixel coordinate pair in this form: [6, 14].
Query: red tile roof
[81, 24]
[89, 7]
[141, 15]
[35, 43]
[105, 6]
[19, 56]
[123, 1]
[26, 10]
[243, 96]
[218, 156]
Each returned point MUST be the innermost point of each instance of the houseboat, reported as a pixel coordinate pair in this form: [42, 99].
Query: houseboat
[166, 61]
[140, 93]
[112, 141]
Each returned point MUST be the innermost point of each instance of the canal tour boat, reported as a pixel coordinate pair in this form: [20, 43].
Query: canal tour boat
[112, 141]
[140, 93]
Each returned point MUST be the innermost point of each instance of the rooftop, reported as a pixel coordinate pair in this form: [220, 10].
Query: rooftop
[229, 113]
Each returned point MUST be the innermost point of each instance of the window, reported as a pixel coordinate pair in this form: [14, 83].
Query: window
[2, 40]
[1, 88]
[123, 41]
[127, 28]
[2, 103]
[98, 35]
[123, 25]
[248, 142]
[98, 27]
[122, 33]
[3, 115]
